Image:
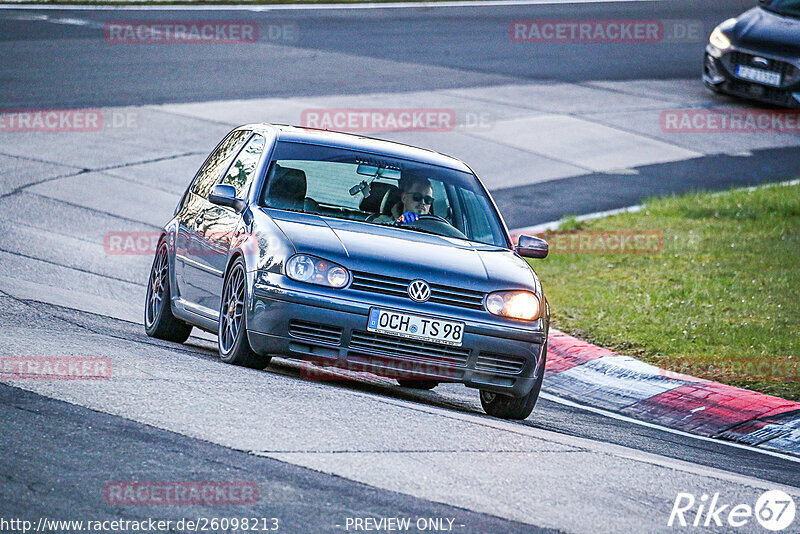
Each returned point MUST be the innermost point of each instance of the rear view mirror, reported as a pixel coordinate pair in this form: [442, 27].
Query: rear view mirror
[532, 247]
[225, 195]
[373, 172]
[367, 170]
[392, 174]
[383, 172]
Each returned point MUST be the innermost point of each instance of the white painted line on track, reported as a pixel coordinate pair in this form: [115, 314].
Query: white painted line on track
[586, 444]
[320, 7]
[553, 225]
[68, 21]
[624, 418]
[762, 186]
[574, 441]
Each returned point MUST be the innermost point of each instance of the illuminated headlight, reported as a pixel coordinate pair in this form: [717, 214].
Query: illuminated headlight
[304, 268]
[719, 39]
[515, 304]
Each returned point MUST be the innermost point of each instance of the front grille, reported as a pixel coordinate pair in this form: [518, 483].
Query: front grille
[400, 348]
[398, 287]
[786, 70]
[498, 363]
[315, 332]
[386, 285]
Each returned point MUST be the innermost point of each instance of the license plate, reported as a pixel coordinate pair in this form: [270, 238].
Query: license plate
[758, 75]
[415, 327]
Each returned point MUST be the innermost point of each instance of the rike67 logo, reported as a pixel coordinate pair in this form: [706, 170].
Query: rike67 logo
[774, 510]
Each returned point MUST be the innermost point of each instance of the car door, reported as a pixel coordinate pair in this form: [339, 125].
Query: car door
[192, 265]
[221, 223]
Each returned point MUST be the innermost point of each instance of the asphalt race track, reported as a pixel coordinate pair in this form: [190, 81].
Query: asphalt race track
[569, 128]
[425, 48]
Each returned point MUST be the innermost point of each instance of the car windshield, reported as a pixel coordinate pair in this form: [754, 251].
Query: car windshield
[378, 189]
[784, 7]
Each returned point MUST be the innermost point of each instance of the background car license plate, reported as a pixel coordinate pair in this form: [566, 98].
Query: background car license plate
[758, 75]
[415, 327]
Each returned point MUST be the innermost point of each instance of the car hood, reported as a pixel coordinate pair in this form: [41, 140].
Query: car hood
[397, 252]
[764, 31]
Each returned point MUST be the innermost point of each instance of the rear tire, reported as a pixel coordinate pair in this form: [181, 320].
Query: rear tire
[232, 342]
[507, 407]
[158, 319]
[417, 384]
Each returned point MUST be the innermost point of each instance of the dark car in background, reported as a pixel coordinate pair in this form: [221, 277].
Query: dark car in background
[286, 243]
[757, 54]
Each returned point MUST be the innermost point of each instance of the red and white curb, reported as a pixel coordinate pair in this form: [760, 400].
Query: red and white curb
[598, 377]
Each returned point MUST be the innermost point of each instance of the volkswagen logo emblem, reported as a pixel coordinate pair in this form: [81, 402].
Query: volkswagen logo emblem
[419, 290]
[760, 62]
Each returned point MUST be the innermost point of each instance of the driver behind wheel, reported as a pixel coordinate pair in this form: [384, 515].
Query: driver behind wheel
[416, 198]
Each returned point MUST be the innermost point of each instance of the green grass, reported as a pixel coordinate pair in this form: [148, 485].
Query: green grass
[723, 293]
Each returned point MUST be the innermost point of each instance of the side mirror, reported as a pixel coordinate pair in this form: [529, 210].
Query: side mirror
[532, 247]
[225, 195]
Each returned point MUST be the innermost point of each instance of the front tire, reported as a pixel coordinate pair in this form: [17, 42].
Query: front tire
[507, 407]
[158, 319]
[232, 342]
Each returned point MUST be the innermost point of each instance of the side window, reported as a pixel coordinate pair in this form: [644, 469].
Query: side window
[479, 229]
[214, 166]
[241, 172]
[323, 181]
[330, 182]
[441, 206]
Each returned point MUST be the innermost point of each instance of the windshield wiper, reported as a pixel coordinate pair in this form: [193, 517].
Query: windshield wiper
[415, 229]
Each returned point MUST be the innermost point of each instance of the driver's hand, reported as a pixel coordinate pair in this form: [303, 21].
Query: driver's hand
[408, 217]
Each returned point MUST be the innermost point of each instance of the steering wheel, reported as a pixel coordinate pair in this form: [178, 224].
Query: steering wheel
[432, 217]
[438, 225]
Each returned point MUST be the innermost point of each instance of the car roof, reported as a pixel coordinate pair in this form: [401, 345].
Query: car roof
[359, 142]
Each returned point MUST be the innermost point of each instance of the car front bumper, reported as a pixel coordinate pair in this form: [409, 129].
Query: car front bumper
[719, 74]
[333, 331]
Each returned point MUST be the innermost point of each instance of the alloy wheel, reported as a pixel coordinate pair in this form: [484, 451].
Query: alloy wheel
[232, 309]
[156, 286]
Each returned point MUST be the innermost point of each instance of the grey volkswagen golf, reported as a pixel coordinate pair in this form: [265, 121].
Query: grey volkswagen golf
[353, 252]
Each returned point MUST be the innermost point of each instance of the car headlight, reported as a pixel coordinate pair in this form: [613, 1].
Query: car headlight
[305, 268]
[719, 39]
[515, 304]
